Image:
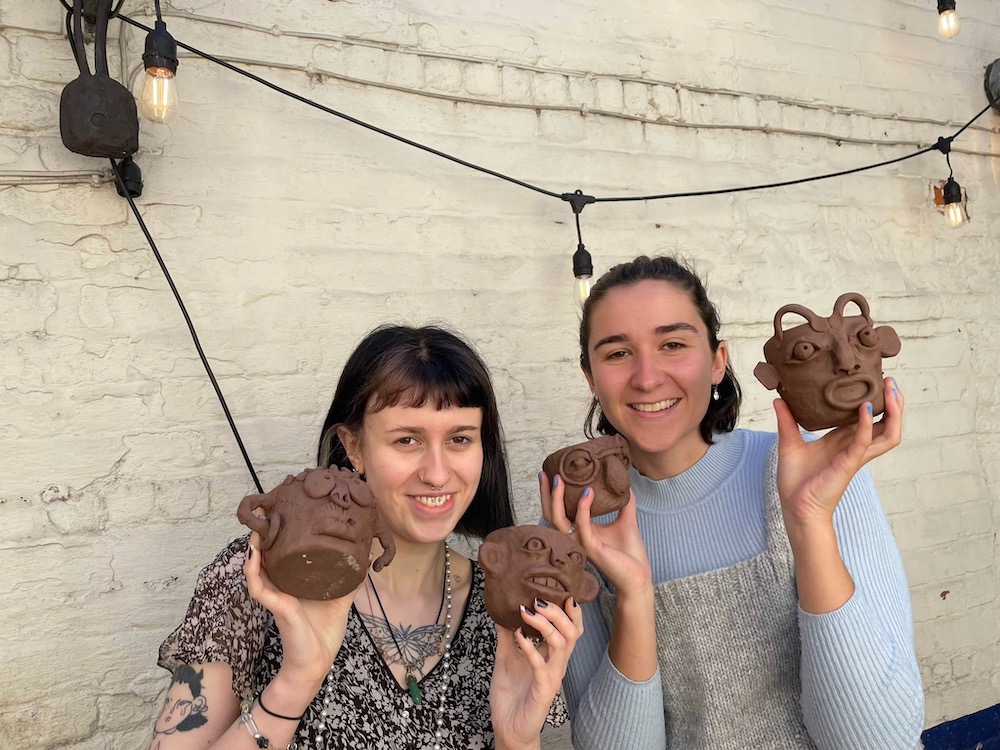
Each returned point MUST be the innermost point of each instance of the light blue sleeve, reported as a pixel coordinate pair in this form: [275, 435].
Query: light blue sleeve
[609, 710]
[861, 687]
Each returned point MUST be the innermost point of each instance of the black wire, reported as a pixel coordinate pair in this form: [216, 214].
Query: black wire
[764, 186]
[190, 325]
[579, 237]
[348, 118]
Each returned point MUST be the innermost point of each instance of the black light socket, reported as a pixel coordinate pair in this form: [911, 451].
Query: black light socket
[952, 191]
[583, 265]
[992, 84]
[944, 5]
[161, 49]
[130, 176]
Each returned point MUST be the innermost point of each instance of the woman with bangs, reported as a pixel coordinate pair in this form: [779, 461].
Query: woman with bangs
[411, 658]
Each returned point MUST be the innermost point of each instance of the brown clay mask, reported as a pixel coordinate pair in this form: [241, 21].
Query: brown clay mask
[601, 464]
[523, 563]
[316, 532]
[826, 368]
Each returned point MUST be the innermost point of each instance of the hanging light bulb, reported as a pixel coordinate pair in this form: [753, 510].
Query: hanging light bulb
[158, 101]
[954, 209]
[583, 270]
[948, 25]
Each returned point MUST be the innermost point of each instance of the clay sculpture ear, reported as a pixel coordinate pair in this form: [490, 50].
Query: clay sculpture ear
[589, 589]
[268, 528]
[491, 557]
[767, 375]
[888, 341]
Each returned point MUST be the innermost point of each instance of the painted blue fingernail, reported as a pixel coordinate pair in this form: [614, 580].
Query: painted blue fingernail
[870, 409]
[555, 481]
[895, 393]
[539, 476]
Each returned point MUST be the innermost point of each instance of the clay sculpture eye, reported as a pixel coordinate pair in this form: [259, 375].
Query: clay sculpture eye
[534, 544]
[578, 466]
[576, 558]
[868, 338]
[803, 350]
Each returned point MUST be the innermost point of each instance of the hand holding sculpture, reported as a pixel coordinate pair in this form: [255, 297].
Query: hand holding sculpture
[601, 464]
[316, 532]
[827, 368]
[524, 563]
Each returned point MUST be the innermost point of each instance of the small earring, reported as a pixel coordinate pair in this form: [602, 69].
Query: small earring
[715, 392]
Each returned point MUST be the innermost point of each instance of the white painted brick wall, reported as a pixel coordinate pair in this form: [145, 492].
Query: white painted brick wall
[291, 233]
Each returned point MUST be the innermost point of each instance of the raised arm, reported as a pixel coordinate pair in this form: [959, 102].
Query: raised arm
[860, 683]
[202, 710]
[612, 684]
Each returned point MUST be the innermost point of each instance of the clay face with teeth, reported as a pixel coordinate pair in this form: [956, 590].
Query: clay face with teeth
[316, 532]
[523, 563]
[601, 464]
[827, 368]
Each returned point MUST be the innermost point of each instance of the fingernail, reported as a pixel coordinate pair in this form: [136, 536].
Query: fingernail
[870, 409]
[573, 600]
[555, 481]
[529, 610]
[539, 476]
[587, 492]
[541, 603]
[250, 554]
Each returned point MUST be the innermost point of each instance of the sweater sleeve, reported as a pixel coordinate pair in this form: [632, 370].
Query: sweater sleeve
[608, 709]
[861, 687]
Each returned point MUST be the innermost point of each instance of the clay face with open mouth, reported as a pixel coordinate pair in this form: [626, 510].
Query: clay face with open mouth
[601, 464]
[316, 532]
[523, 563]
[827, 368]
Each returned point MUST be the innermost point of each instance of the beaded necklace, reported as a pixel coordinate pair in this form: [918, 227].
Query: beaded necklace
[416, 695]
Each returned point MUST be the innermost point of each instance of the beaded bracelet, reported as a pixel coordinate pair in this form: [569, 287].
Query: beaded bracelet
[246, 719]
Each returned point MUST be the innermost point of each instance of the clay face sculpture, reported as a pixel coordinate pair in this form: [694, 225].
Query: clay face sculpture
[525, 562]
[316, 533]
[601, 464]
[826, 368]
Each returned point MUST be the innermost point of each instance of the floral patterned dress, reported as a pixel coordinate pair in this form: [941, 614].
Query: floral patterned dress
[360, 704]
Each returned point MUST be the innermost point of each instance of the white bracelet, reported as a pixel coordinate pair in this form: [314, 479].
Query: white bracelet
[246, 719]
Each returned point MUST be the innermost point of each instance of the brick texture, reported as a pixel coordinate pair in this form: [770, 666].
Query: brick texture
[291, 233]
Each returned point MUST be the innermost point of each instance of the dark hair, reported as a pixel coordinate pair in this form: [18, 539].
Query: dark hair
[402, 365]
[721, 415]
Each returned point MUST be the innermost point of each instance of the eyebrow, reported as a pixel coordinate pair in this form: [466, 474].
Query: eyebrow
[617, 338]
[418, 430]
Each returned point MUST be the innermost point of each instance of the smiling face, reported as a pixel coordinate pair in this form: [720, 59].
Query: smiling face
[827, 368]
[652, 369]
[523, 563]
[407, 453]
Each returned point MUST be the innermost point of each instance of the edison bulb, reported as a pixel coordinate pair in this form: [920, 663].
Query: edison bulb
[581, 290]
[948, 25]
[158, 101]
[954, 214]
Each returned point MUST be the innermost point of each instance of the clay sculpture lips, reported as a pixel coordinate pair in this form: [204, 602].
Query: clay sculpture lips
[826, 368]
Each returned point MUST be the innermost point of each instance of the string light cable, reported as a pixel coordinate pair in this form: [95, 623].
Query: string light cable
[124, 192]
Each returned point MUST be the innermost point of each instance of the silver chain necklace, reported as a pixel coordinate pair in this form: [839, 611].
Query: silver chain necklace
[416, 695]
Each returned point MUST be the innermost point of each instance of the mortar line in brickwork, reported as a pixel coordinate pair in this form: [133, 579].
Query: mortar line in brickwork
[581, 110]
[65, 177]
[834, 109]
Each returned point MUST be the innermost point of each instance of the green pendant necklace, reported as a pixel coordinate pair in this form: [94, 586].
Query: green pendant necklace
[416, 695]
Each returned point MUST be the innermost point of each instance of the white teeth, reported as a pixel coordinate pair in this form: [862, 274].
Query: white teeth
[432, 502]
[658, 406]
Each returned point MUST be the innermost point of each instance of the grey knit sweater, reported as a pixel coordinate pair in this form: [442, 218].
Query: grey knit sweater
[740, 665]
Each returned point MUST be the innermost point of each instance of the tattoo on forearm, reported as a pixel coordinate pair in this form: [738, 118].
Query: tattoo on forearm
[184, 707]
